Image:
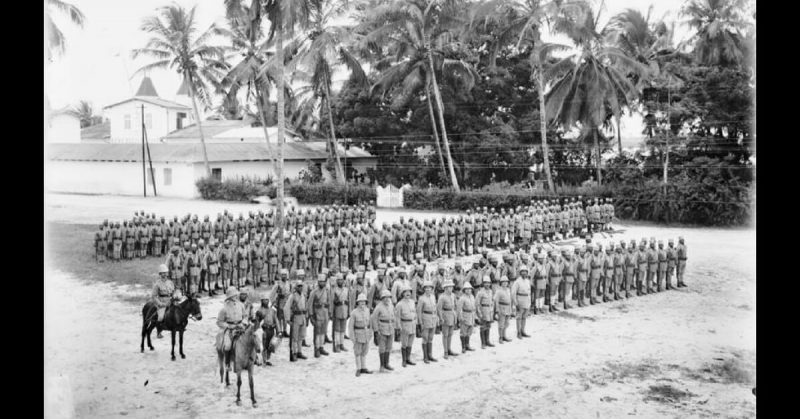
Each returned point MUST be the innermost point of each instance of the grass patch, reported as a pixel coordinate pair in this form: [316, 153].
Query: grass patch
[667, 394]
[640, 371]
[71, 250]
[732, 371]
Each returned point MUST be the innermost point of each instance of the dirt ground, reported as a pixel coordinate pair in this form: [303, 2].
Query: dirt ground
[682, 353]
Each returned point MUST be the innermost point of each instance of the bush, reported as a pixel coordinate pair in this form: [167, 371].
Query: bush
[311, 174]
[329, 193]
[237, 189]
[498, 195]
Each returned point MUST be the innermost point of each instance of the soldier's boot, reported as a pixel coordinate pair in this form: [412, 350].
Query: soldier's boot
[382, 358]
[488, 340]
[469, 348]
[341, 348]
[425, 353]
[322, 351]
[327, 339]
[300, 355]
[445, 345]
[305, 344]
[408, 357]
[364, 369]
[335, 348]
[387, 366]
[316, 353]
[519, 329]
[403, 353]
[483, 339]
[430, 353]
[463, 344]
[292, 356]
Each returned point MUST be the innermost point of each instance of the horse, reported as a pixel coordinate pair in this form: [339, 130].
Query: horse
[176, 317]
[246, 351]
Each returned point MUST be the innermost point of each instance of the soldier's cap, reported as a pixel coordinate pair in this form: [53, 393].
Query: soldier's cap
[175, 248]
[361, 298]
[264, 297]
[661, 242]
[231, 292]
[619, 249]
[283, 271]
[671, 241]
[386, 294]
[487, 280]
[194, 246]
[360, 274]
[350, 277]
[405, 289]
[466, 285]
[503, 279]
[321, 277]
[427, 284]
[652, 239]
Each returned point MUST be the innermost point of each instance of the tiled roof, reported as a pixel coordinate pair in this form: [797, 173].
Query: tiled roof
[193, 152]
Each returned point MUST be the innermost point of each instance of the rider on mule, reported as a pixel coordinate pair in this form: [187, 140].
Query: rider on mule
[230, 319]
[163, 293]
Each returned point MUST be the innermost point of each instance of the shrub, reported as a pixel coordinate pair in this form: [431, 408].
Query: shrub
[236, 189]
[311, 174]
[329, 193]
[499, 195]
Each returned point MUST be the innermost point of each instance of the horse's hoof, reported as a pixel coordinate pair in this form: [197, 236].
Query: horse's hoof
[152, 348]
[183, 356]
[238, 402]
[255, 405]
[142, 349]
[173, 358]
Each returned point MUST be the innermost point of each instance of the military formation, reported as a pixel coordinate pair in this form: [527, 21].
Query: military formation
[211, 256]
[409, 302]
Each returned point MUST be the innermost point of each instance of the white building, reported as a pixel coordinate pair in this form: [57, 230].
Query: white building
[63, 127]
[109, 158]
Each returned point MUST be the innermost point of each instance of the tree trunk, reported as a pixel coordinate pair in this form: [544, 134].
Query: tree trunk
[281, 124]
[597, 148]
[435, 131]
[438, 97]
[340, 176]
[619, 136]
[262, 110]
[199, 125]
[543, 129]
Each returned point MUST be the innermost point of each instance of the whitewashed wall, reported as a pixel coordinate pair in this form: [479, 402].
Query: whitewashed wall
[64, 129]
[164, 121]
[118, 178]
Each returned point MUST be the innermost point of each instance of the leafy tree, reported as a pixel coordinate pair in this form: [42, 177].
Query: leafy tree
[721, 31]
[85, 113]
[174, 44]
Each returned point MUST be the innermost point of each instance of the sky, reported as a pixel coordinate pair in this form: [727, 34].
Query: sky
[97, 66]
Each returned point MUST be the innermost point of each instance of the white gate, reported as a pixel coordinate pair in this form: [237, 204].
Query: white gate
[390, 197]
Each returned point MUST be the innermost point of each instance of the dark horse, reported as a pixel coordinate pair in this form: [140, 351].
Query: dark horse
[176, 317]
[245, 351]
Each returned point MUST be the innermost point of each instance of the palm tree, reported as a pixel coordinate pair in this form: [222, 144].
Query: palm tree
[175, 45]
[85, 113]
[321, 48]
[55, 38]
[721, 31]
[592, 83]
[417, 36]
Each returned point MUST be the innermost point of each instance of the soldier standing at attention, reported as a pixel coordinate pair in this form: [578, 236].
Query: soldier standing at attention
[502, 306]
[445, 308]
[465, 312]
[211, 263]
[357, 288]
[100, 245]
[280, 293]
[540, 273]
[241, 263]
[360, 329]
[270, 324]
[340, 312]
[485, 311]
[681, 265]
[630, 269]
[521, 300]
[318, 303]
[569, 276]
[383, 322]
[226, 264]
[272, 252]
[295, 312]
[554, 273]
[374, 294]
[192, 269]
[671, 258]
[619, 269]
[406, 314]
[608, 272]
[583, 265]
[652, 266]
[428, 319]
[257, 262]
[641, 268]
[662, 265]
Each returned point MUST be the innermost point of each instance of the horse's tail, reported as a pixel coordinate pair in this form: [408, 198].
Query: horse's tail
[148, 311]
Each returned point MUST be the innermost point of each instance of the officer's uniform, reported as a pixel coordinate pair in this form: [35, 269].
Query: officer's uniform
[406, 314]
[466, 313]
[384, 323]
[445, 308]
[360, 328]
[319, 304]
[502, 302]
[295, 312]
[341, 309]
[485, 311]
[521, 300]
[428, 319]
[680, 268]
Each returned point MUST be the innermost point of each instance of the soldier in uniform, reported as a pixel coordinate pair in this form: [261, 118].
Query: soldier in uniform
[272, 253]
[294, 311]
[319, 303]
[230, 320]
[671, 258]
[608, 272]
[175, 264]
[116, 242]
[406, 315]
[341, 309]
[192, 269]
[163, 293]
[502, 307]
[384, 322]
[466, 315]
[100, 244]
[652, 265]
[662, 265]
[521, 300]
[445, 309]
[211, 264]
[428, 319]
[619, 270]
[641, 268]
[156, 234]
[359, 327]
[271, 326]
[680, 267]
[554, 274]
[300, 251]
[226, 261]
[241, 261]
[484, 302]
[256, 262]
[280, 293]
[583, 265]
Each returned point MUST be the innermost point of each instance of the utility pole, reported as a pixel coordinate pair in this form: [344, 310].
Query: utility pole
[669, 133]
[144, 171]
[150, 160]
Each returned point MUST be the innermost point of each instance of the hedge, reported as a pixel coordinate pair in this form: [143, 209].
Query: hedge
[446, 199]
[329, 193]
[239, 189]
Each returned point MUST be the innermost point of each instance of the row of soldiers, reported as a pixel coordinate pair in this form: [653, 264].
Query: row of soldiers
[144, 235]
[406, 302]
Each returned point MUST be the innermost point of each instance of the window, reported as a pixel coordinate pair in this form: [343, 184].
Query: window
[179, 120]
[127, 121]
[167, 176]
[216, 174]
[148, 121]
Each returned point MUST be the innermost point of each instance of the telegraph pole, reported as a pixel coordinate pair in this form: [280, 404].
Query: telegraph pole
[150, 160]
[144, 172]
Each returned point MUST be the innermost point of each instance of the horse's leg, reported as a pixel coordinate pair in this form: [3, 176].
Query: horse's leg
[227, 369]
[250, 378]
[180, 335]
[221, 362]
[144, 332]
[238, 388]
[149, 342]
[172, 332]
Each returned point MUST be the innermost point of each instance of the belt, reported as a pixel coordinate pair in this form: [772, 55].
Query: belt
[503, 304]
[163, 295]
[555, 276]
[407, 320]
[569, 274]
[486, 305]
[384, 321]
[682, 258]
[427, 312]
[296, 312]
[466, 311]
[359, 328]
[524, 295]
[338, 303]
[447, 309]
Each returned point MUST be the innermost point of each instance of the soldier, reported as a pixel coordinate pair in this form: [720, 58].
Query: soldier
[201, 255]
[318, 303]
[359, 327]
[287, 252]
[116, 242]
[608, 272]
[157, 238]
[619, 270]
[502, 308]
[384, 322]
[256, 262]
[583, 265]
[373, 296]
[367, 247]
[294, 311]
[175, 264]
[681, 263]
[330, 249]
[192, 270]
[465, 313]
[438, 280]
[341, 309]
[100, 244]
[130, 241]
[300, 253]
[357, 247]
[445, 309]
[485, 311]
[271, 326]
[343, 244]
[280, 293]
[406, 314]
[211, 264]
[230, 320]
[272, 253]
[554, 275]
[372, 213]
[241, 262]
[143, 236]
[652, 265]
[388, 243]
[226, 260]
[641, 268]
[357, 287]
[428, 319]
[630, 269]
[662, 265]
[163, 293]
[521, 300]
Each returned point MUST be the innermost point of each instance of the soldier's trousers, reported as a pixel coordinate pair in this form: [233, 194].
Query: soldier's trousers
[427, 334]
[269, 332]
[406, 339]
[320, 330]
[651, 278]
[680, 269]
[429, 251]
[330, 262]
[662, 273]
[641, 279]
[630, 281]
[580, 289]
[384, 342]
[298, 333]
[668, 277]
[241, 278]
[157, 247]
[225, 274]
[256, 275]
[193, 283]
[272, 272]
[466, 328]
[568, 292]
[447, 334]
[302, 263]
[618, 284]
[100, 255]
[211, 280]
[502, 325]
[554, 287]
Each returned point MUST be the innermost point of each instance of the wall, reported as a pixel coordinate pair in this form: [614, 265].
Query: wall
[118, 178]
[64, 129]
[261, 169]
[164, 121]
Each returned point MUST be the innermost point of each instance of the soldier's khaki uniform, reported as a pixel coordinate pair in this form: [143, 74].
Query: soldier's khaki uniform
[502, 302]
[384, 323]
[445, 308]
[294, 311]
[521, 301]
[406, 314]
[681, 265]
[428, 319]
[319, 304]
[485, 312]
[466, 312]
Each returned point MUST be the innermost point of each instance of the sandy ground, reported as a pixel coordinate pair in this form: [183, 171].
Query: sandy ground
[683, 353]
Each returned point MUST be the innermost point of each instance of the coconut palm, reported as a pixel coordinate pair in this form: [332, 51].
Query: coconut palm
[55, 38]
[85, 113]
[591, 84]
[721, 30]
[175, 44]
[322, 47]
[417, 37]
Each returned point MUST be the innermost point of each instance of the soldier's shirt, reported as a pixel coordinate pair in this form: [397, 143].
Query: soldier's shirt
[232, 313]
[446, 309]
[383, 319]
[465, 309]
[502, 300]
[340, 302]
[485, 305]
[406, 314]
[359, 325]
[426, 311]
[296, 303]
[521, 293]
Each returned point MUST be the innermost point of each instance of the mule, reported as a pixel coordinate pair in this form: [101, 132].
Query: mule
[245, 352]
[176, 318]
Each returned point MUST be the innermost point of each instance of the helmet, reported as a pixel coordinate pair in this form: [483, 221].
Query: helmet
[162, 269]
[487, 280]
[361, 297]
[466, 285]
[231, 293]
[427, 284]
[385, 294]
[448, 283]
[503, 279]
[300, 272]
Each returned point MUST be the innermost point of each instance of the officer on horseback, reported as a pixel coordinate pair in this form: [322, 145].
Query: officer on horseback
[163, 294]
[230, 319]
